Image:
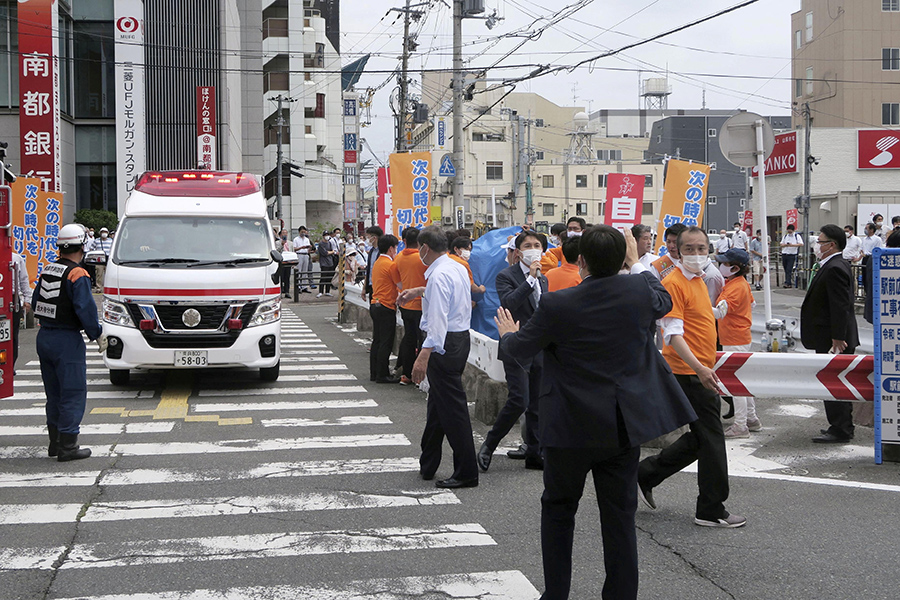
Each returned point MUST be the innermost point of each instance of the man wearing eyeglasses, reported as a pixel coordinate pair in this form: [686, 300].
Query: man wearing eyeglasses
[828, 322]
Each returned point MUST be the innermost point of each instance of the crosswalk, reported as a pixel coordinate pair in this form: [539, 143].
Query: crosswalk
[314, 495]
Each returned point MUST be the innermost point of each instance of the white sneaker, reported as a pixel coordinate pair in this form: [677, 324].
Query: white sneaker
[327, 294]
[319, 295]
[727, 522]
[736, 431]
[754, 425]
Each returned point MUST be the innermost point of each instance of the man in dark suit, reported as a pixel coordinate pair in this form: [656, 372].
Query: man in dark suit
[606, 390]
[373, 234]
[520, 288]
[828, 322]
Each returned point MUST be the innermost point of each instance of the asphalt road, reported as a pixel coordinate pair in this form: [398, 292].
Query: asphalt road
[215, 485]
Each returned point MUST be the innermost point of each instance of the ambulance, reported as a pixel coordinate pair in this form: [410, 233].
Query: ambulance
[192, 278]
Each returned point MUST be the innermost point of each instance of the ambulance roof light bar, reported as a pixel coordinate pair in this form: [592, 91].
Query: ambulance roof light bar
[218, 184]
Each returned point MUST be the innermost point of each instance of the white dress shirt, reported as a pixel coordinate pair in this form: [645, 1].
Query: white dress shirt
[740, 240]
[853, 248]
[299, 242]
[22, 287]
[791, 238]
[870, 242]
[647, 259]
[723, 244]
[533, 282]
[447, 302]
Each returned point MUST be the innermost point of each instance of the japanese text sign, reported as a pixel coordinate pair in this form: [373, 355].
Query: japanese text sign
[886, 311]
[792, 218]
[36, 219]
[624, 200]
[410, 190]
[747, 221]
[684, 197]
[206, 128]
[130, 135]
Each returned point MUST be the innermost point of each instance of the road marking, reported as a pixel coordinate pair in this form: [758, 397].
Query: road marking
[232, 547]
[352, 420]
[92, 395]
[227, 446]
[290, 359]
[94, 429]
[290, 346]
[493, 585]
[33, 514]
[310, 377]
[336, 389]
[272, 470]
[287, 405]
[38, 383]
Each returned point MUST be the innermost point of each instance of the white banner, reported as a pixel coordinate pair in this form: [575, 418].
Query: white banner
[131, 151]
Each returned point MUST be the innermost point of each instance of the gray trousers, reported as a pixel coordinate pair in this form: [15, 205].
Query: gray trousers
[305, 271]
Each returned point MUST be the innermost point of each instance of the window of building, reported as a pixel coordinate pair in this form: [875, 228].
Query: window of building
[539, 155]
[609, 155]
[307, 129]
[601, 180]
[798, 91]
[307, 76]
[647, 209]
[94, 87]
[890, 113]
[798, 35]
[9, 57]
[809, 27]
[581, 181]
[809, 81]
[890, 59]
[890, 5]
[581, 208]
[711, 200]
[494, 169]
[319, 112]
[315, 60]
[648, 180]
[95, 169]
[547, 181]
[549, 209]
[487, 136]
[711, 133]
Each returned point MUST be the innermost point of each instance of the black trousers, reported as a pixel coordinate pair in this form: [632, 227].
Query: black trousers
[838, 412]
[325, 278]
[286, 280]
[524, 384]
[788, 261]
[384, 327]
[704, 443]
[17, 318]
[447, 413]
[412, 339]
[614, 472]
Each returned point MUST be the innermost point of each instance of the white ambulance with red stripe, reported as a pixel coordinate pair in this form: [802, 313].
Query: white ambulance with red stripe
[192, 278]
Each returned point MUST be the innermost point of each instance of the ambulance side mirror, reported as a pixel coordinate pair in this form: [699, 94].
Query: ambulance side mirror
[276, 256]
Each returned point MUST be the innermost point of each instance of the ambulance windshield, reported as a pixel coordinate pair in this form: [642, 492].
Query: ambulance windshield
[179, 242]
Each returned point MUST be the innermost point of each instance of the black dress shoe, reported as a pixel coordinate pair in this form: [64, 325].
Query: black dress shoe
[426, 476]
[518, 453]
[484, 456]
[534, 462]
[388, 380]
[456, 483]
[830, 438]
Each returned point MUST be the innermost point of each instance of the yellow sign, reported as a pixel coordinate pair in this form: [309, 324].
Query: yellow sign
[35, 224]
[684, 197]
[410, 190]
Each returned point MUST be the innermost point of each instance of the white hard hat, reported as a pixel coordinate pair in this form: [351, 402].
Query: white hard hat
[71, 237]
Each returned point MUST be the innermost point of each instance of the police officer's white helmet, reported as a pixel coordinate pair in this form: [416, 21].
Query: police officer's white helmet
[71, 238]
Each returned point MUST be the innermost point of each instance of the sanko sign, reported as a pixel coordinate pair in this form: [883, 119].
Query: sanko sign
[783, 158]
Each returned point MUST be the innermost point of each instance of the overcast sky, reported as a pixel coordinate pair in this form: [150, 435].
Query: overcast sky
[753, 41]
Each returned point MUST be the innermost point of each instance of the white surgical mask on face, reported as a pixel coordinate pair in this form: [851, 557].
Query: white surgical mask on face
[848, 234]
[104, 235]
[727, 271]
[531, 255]
[466, 254]
[574, 234]
[554, 239]
[817, 249]
[695, 263]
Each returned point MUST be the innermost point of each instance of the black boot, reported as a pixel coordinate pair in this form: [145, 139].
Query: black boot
[53, 448]
[69, 449]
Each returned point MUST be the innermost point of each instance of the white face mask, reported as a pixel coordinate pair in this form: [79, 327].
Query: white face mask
[695, 263]
[554, 239]
[104, 235]
[817, 249]
[572, 234]
[848, 234]
[727, 271]
[529, 256]
[465, 254]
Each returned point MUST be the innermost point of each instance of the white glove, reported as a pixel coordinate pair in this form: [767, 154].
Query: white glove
[721, 309]
[102, 343]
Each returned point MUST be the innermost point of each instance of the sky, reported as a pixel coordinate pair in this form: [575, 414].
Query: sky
[748, 50]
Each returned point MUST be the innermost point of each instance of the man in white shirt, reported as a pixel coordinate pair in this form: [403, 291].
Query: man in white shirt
[302, 246]
[723, 244]
[446, 317]
[853, 250]
[790, 246]
[740, 239]
[103, 243]
[21, 298]
[643, 235]
[871, 241]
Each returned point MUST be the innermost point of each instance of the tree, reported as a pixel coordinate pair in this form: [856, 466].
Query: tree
[97, 219]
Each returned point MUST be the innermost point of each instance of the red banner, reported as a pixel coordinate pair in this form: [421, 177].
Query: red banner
[382, 189]
[783, 158]
[206, 128]
[878, 149]
[39, 121]
[624, 200]
[792, 218]
[747, 221]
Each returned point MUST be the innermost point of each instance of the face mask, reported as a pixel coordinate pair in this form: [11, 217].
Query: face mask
[878, 224]
[727, 271]
[554, 240]
[848, 235]
[422, 258]
[104, 235]
[695, 263]
[529, 256]
[817, 249]
[572, 234]
[466, 254]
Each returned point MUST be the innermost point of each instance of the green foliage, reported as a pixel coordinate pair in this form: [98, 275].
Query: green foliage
[97, 219]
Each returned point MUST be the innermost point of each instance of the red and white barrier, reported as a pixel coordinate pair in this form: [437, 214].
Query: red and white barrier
[780, 375]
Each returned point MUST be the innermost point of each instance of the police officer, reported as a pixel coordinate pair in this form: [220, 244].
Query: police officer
[63, 303]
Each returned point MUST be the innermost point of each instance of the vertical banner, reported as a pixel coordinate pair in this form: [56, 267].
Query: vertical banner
[130, 128]
[886, 313]
[460, 217]
[36, 219]
[440, 133]
[410, 190]
[39, 118]
[747, 221]
[684, 197]
[207, 155]
[383, 184]
[792, 218]
[624, 200]
[351, 158]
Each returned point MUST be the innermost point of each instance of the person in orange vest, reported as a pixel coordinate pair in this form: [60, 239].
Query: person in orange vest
[408, 272]
[460, 250]
[666, 263]
[567, 275]
[554, 258]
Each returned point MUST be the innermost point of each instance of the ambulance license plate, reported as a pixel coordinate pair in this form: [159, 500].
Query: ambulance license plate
[191, 358]
[5, 330]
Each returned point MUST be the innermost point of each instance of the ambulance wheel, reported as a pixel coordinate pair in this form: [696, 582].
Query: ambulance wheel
[119, 376]
[270, 373]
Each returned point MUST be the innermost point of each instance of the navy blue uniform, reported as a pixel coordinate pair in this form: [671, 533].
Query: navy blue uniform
[63, 303]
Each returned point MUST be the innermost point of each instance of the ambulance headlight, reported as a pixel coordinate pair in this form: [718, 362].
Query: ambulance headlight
[116, 313]
[267, 312]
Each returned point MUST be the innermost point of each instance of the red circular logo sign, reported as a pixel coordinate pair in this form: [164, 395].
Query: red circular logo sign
[127, 24]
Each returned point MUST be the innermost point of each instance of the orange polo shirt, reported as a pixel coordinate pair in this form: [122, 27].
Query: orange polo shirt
[564, 277]
[551, 259]
[384, 291]
[690, 303]
[464, 263]
[734, 327]
[408, 270]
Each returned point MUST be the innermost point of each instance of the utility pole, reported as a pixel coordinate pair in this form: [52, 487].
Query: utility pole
[807, 176]
[404, 82]
[279, 157]
[529, 203]
[458, 158]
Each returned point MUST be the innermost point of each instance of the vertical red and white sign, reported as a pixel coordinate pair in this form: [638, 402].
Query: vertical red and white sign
[384, 198]
[206, 128]
[131, 145]
[624, 200]
[39, 119]
[791, 218]
[747, 221]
